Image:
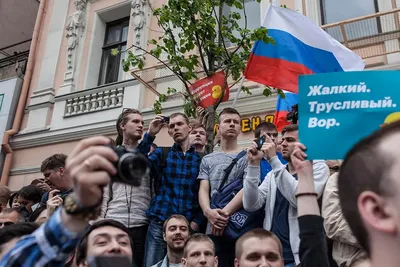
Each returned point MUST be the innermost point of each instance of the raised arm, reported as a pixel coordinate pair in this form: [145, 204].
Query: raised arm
[89, 166]
[288, 185]
[155, 127]
[254, 196]
[313, 248]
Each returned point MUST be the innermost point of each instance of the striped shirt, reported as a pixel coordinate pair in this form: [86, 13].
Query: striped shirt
[50, 245]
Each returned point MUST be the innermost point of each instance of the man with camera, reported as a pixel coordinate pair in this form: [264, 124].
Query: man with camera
[127, 203]
[262, 130]
[89, 166]
[53, 169]
[176, 175]
[278, 190]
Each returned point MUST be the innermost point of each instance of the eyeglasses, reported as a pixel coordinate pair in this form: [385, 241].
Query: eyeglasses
[4, 224]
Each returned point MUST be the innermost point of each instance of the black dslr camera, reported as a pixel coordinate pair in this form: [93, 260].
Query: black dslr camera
[131, 166]
[293, 116]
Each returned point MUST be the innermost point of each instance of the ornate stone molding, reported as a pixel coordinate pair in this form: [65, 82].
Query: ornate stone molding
[75, 27]
[139, 20]
[25, 170]
[246, 105]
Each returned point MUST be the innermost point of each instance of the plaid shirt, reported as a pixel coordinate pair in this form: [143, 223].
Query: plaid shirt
[50, 245]
[179, 190]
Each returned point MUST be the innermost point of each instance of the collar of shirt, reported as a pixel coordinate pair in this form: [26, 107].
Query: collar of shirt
[177, 147]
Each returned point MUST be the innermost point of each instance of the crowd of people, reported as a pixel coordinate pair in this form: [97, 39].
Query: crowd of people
[260, 206]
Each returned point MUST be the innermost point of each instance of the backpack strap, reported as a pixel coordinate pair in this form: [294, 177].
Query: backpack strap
[230, 167]
[110, 196]
[201, 154]
[164, 155]
[163, 162]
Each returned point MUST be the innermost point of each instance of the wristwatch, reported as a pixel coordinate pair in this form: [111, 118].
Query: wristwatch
[72, 206]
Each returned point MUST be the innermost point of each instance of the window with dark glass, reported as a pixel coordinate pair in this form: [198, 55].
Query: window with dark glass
[252, 9]
[341, 10]
[115, 38]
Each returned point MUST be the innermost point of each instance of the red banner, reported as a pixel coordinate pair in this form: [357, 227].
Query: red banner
[207, 91]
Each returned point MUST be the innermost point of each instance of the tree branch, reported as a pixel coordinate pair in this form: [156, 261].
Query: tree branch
[169, 31]
[162, 62]
[219, 22]
[196, 35]
[245, 27]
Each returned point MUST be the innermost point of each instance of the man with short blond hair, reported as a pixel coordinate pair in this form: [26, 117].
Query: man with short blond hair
[199, 251]
[211, 176]
[258, 247]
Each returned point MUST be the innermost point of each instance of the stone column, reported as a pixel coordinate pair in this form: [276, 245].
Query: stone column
[139, 22]
[75, 28]
[42, 98]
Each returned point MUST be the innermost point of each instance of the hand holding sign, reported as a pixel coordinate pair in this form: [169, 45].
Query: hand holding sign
[302, 166]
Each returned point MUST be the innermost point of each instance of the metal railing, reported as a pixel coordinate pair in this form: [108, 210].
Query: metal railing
[369, 36]
[13, 59]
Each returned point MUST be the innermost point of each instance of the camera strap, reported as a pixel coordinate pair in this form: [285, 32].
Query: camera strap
[110, 196]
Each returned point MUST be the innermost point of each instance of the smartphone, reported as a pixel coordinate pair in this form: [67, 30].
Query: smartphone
[165, 119]
[109, 261]
[260, 141]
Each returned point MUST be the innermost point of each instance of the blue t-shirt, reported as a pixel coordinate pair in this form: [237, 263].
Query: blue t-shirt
[265, 167]
[280, 225]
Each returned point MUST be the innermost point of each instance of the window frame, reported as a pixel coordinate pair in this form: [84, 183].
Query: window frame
[322, 9]
[123, 22]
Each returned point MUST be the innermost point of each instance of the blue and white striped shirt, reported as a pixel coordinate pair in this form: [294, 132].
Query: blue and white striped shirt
[50, 245]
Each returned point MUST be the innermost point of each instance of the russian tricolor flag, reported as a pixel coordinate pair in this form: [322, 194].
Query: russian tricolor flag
[301, 48]
[283, 107]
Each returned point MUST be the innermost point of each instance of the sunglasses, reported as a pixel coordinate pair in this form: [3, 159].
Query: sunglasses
[4, 224]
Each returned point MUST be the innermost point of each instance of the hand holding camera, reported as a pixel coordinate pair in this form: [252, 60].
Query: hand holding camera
[268, 148]
[156, 124]
[90, 166]
[254, 154]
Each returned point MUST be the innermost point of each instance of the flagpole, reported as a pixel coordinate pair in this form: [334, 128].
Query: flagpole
[238, 92]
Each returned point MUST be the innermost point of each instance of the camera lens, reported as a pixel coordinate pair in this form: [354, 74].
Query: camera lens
[132, 167]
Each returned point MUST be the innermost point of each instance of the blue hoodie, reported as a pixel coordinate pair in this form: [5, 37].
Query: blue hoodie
[265, 167]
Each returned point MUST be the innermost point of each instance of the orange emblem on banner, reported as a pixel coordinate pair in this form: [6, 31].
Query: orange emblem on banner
[207, 91]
